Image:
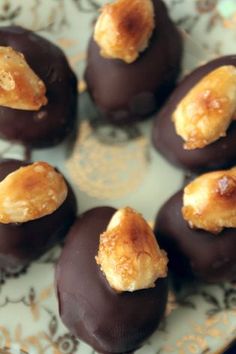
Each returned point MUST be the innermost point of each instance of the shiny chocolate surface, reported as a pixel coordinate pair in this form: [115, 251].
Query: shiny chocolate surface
[219, 154]
[54, 121]
[195, 252]
[110, 322]
[129, 92]
[22, 242]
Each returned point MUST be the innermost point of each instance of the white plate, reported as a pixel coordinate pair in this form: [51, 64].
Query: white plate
[204, 321]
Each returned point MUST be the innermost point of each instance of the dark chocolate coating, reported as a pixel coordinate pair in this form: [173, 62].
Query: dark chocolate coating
[22, 242]
[209, 257]
[110, 322]
[54, 121]
[219, 154]
[129, 92]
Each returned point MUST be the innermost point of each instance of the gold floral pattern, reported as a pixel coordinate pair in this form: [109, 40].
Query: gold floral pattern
[108, 171]
[47, 340]
[195, 335]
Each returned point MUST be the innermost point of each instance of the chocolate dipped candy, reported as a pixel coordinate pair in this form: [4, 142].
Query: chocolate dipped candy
[196, 129]
[197, 228]
[111, 280]
[37, 207]
[134, 59]
[38, 89]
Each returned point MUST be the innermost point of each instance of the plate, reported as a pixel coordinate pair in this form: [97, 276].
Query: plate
[115, 167]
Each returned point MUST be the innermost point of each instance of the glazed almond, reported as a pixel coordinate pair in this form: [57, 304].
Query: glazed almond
[129, 255]
[124, 28]
[30, 193]
[209, 201]
[20, 87]
[205, 113]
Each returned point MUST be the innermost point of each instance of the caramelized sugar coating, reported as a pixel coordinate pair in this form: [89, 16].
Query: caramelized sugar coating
[209, 201]
[20, 87]
[128, 253]
[124, 28]
[205, 113]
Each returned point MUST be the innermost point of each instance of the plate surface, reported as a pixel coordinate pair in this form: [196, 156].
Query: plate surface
[115, 167]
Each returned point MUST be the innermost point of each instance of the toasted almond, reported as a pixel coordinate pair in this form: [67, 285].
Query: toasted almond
[124, 28]
[20, 87]
[209, 201]
[30, 193]
[205, 113]
[129, 255]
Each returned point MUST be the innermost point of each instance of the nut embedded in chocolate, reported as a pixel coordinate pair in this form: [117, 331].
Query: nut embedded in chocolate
[209, 202]
[41, 124]
[214, 156]
[128, 253]
[207, 110]
[20, 87]
[124, 28]
[195, 252]
[124, 92]
[38, 193]
[110, 322]
[30, 193]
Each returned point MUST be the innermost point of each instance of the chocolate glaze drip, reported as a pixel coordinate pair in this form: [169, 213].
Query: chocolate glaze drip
[53, 122]
[220, 154]
[22, 242]
[110, 322]
[129, 92]
[194, 252]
